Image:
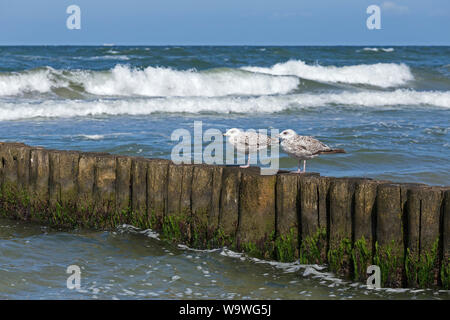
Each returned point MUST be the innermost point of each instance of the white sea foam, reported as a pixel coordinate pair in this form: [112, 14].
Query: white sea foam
[122, 80]
[41, 81]
[379, 49]
[167, 82]
[92, 136]
[314, 271]
[108, 57]
[381, 74]
[185, 247]
[262, 104]
[151, 82]
[132, 229]
[98, 136]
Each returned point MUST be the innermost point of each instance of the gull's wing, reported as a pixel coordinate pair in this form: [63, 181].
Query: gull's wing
[254, 140]
[309, 144]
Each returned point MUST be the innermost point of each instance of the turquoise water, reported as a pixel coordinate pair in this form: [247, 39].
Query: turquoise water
[388, 107]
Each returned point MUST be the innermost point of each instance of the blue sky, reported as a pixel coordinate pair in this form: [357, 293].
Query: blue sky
[227, 22]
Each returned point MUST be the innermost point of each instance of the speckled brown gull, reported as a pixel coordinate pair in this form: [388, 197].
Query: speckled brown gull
[304, 147]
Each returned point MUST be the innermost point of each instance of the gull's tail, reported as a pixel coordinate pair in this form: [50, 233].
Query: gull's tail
[332, 151]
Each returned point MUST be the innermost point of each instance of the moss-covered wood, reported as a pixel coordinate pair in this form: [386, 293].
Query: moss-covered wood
[346, 223]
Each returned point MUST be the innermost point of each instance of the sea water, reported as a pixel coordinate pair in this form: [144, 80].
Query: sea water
[128, 263]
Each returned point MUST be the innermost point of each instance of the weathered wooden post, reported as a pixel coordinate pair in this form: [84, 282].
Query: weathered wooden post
[229, 206]
[444, 274]
[39, 180]
[389, 246]
[123, 189]
[179, 188]
[85, 182]
[157, 191]
[313, 194]
[287, 217]
[341, 210]
[105, 188]
[256, 227]
[139, 192]
[206, 185]
[423, 216]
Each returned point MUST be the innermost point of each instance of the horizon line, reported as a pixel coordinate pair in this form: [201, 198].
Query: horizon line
[226, 45]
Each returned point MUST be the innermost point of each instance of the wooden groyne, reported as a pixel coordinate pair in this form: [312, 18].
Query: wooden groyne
[347, 223]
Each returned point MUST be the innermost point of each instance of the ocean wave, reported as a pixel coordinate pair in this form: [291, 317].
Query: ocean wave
[92, 136]
[107, 57]
[167, 82]
[125, 81]
[150, 82]
[262, 104]
[39, 80]
[383, 75]
[379, 49]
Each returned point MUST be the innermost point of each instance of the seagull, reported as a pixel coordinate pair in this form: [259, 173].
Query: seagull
[303, 147]
[248, 142]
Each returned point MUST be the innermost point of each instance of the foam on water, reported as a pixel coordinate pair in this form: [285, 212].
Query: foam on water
[378, 49]
[281, 78]
[314, 271]
[262, 104]
[41, 80]
[132, 229]
[126, 264]
[383, 75]
[151, 82]
[107, 57]
[168, 82]
[92, 136]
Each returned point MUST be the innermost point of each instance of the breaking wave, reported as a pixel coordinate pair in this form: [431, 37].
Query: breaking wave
[379, 49]
[150, 82]
[261, 104]
[39, 80]
[281, 78]
[383, 75]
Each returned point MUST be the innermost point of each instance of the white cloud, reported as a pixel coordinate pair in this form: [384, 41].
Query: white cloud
[393, 7]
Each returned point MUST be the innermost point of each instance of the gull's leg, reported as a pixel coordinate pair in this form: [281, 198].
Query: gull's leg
[299, 166]
[248, 162]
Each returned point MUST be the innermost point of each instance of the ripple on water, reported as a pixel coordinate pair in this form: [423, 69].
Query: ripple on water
[130, 263]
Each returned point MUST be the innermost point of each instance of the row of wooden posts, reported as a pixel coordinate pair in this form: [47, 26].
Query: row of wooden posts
[347, 223]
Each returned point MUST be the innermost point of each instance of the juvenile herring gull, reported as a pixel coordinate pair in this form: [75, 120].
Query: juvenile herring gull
[249, 142]
[303, 147]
